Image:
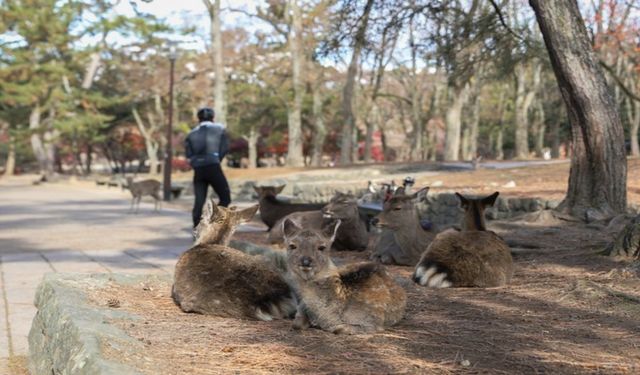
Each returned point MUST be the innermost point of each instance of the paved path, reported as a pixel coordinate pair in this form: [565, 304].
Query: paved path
[58, 228]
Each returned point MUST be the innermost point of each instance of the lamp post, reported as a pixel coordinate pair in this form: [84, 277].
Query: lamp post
[173, 54]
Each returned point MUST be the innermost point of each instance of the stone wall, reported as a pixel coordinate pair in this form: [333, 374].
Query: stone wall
[67, 332]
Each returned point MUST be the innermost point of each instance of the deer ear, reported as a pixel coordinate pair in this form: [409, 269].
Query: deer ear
[490, 200]
[210, 208]
[420, 195]
[464, 202]
[289, 228]
[280, 188]
[257, 189]
[248, 213]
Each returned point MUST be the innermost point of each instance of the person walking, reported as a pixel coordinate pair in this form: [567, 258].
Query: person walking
[206, 146]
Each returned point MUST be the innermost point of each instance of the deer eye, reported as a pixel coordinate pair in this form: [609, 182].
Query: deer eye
[397, 208]
[322, 248]
[292, 247]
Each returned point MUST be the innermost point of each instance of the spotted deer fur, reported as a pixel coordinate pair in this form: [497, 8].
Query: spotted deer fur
[472, 257]
[350, 299]
[214, 279]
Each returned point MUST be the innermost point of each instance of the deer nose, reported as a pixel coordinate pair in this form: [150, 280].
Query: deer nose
[375, 221]
[305, 261]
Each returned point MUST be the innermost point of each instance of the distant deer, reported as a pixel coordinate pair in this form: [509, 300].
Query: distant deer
[272, 209]
[411, 236]
[141, 188]
[350, 299]
[214, 279]
[472, 257]
[352, 234]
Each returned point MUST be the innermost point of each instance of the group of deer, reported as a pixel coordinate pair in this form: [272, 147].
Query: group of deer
[213, 278]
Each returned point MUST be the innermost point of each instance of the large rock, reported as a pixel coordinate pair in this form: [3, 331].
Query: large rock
[67, 332]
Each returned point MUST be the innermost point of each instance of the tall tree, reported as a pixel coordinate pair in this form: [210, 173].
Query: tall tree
[294, 153]
[219, 98]
[598, 175]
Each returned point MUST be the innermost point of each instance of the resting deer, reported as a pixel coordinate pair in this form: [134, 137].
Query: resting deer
[350, 299]
[404, 236]
[141, 188]
[272, 210]
[352, 234]
[214, 279]
[472, 257]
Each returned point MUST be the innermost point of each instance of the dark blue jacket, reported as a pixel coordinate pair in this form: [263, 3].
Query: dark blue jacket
[206, 144]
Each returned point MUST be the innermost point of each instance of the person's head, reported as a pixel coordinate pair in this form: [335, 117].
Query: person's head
[205, 114]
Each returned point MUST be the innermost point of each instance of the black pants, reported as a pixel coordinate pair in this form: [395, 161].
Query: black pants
[202, 178]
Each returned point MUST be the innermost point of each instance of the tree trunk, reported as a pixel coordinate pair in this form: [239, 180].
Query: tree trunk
[92, 68]
[10, 164]
[453, 120]
[523, 101]
[348, 125]
[320, 129]
[37, 145]
[253, 148]
[220, 103]
[151, 145]
[555, 139]
[89, 158]
[294, 154]
[499, 145]
[598, 175]
[633, 112]
[540, 130]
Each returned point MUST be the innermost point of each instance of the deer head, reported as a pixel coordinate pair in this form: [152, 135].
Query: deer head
[308, 250]
[342, 206]
[474, 211]
[400, 211]
[218, 224]
[268, 191]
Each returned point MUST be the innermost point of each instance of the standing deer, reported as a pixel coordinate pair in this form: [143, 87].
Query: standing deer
[272, 209]
[350, 299]
[214, 279]
[472, 257]
[404, 236]
[141, 188]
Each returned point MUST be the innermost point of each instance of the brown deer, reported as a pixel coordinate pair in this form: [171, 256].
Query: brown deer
[214, 279]
[472, 257]
[404, 236]
[350, 299]
[141, 188]
[352, 234]
[272, 209]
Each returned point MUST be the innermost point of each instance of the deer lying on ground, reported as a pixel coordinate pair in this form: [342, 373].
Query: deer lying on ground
[352, 234]
[272, 210]
[404, 236]
[472, 257]
[350, 299]
[214, 279]
[141, 188]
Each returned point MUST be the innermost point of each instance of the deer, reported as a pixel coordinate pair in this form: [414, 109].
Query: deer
[350, 299]
[214, 279]
[405, 236]
[141, 188]
[470, 257]
[352, 234]
[272, 209]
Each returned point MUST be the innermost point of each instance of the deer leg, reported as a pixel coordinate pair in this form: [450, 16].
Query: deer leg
[301, 321]
[138, 198]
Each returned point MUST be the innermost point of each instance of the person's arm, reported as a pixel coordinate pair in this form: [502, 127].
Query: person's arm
[187, 148]
[224, 144]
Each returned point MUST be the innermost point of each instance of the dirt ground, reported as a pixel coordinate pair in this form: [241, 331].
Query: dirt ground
[568, 310]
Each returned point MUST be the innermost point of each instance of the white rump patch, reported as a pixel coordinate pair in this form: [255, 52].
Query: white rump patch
[424, 279]
[437, 281]
[261, 315]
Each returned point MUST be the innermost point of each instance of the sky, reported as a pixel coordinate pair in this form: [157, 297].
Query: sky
[189, 13]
